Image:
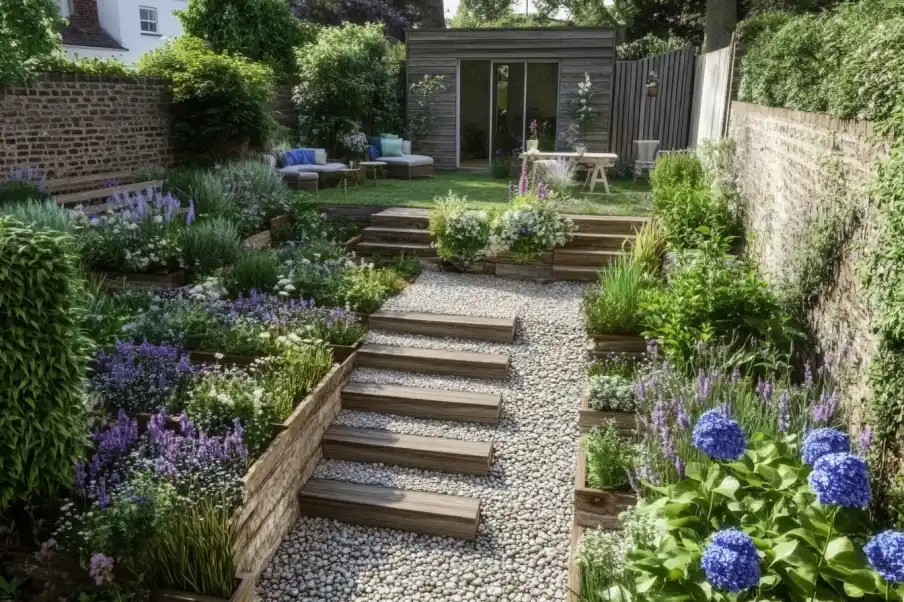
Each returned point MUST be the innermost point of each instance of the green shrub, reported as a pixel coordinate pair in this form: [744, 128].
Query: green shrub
[60, 63]
[43, 215]
[28, 32]
[614, 306]
[220, 101]
[262, 30]
[647, 46]
[43, 361]
[367, 288]
[460, 234]
[609, 458]
[692, 214]
[254, 270]
[674, 169]
[349, 76]
[210, 244]
[649, 246]
[714, 298]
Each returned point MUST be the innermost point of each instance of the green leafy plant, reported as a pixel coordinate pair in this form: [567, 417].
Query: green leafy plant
[501, 165]
[529, 228]
[28, 32]
[366, 288]
[60, 63]
[459, 233]
[10, 589]
[422, 95]
[220, 101]
[45, 215]
[43, 358]
[649, 247]
[254, 270]
[210, 245]
[674, 169]
[614, 305]
[609, 458]
[349, 75]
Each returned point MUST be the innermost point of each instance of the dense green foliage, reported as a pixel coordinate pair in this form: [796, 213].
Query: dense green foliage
[27, 34]
[220, 101]
[349, 81]
[613, 306]
[60, 63]
[609, 458]
[42, 363]
[648, 45]
[265, 31]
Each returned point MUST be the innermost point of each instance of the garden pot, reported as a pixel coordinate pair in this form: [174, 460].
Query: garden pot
[597, 507]
[652, 90]
[533, 145]
[588, 418]
[580, 149]
[159, 281]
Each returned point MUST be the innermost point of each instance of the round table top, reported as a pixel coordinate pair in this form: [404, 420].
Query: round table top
[350, 169]
[372, 164]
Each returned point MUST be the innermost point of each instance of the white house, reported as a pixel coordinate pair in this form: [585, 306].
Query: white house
[124, 29]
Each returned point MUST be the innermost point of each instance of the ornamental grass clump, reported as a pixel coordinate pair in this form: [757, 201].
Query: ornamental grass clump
[43, 360]
[529, 228]
[614, 305]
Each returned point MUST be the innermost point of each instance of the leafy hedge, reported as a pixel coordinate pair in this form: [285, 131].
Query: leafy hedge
[220, 101]
[43, 358]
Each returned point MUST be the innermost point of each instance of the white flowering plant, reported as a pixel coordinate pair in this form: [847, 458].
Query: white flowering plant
[530, 227]
[460, 234]
[355, 142]
[583, 112]
[138, 233]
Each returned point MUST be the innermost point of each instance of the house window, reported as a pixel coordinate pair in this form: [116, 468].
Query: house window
[148, 18]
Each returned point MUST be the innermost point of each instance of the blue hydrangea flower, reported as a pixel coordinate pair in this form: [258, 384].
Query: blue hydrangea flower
[821, 442]
[719, 436]
[841, 479]
[730, 562]
[886, 553]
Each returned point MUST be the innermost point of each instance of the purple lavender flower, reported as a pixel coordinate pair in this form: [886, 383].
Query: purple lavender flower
[542, 191]
[704, 387]
[680, 466]
[190, 215]
[765, 389]
[784, 419]
[808, 375]
[824, 410]
[101, 569]
[103, 498]
[865, 441]
[522, 181]
[141, 378]
[682, 418]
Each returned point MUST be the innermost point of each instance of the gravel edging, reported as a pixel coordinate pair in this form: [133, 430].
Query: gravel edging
[521, 553]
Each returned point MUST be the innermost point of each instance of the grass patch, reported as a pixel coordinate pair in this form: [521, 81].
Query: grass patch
[485, 192]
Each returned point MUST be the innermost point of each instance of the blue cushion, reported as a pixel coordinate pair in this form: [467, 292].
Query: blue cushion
[302, 156]
[373, 153]
[374, 141]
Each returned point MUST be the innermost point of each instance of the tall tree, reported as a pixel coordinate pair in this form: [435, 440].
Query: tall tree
[721, 20]
[27, 33]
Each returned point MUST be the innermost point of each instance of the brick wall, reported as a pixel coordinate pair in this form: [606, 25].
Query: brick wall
[75, 125]
[780, 166]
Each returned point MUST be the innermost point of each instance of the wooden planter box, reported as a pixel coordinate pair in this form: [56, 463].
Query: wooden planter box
[597, 507]
[624, 344]
[245, 591]
[343, 352]
[573, 586]
[352, 242]
[209, 357]
[161, 281]
[588, 418]
[487, 268]
[270, 505]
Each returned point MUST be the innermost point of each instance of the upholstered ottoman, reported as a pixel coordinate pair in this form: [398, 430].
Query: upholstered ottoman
[300, 180]
[409, 166]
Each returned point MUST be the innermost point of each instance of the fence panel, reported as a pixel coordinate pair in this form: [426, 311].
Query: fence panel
[712, 95]
[665, 117]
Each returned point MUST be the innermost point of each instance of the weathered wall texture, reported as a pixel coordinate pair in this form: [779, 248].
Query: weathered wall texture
[780, 165]
[73, 125]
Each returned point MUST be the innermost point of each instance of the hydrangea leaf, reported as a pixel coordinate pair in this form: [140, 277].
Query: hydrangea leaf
[728, 487]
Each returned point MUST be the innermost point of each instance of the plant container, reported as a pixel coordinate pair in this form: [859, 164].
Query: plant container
[245, 591]
[588, 418]
[597, 507]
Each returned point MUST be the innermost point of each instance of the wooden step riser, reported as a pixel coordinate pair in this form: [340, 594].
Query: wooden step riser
[419, 236]
[389, 518]
[459, 331]
[588, 260]
[430, 410]
[430, 366]
[605, 244]
[563, 273]
[426, 460]
[622, 228]
[364, 250]
[391, 221]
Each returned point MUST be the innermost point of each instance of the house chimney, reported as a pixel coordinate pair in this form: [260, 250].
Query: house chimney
[84, 15]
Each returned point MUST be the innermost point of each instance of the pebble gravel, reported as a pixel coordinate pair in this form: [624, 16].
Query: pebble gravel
[521, 551]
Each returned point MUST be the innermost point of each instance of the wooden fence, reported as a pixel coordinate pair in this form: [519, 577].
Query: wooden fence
[665, 117]
[712, 95]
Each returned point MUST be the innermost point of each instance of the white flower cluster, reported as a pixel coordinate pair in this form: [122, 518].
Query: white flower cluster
[611, 392]
[211, 289]
[529, 229]
[460, 232]
[154, 253]
[355, 142]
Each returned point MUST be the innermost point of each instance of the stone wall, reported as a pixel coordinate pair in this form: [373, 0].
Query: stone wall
[73, 125]
[781, 167]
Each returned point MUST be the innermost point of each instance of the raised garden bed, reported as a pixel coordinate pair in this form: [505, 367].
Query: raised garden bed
[588, 418]
[343, 352]
[340, 354]
[158, 281]
[597, 507]
[262, 239]
[620, 344]
[573, 585]
[245, 591]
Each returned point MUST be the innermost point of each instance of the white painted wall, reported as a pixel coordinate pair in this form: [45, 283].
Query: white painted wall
[120, 18]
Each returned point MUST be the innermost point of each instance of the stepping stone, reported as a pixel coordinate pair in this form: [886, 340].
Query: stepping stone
[402, 217]
[376, 506]
[377, 446]
[434, 361]
[498, 330]
[434, 404]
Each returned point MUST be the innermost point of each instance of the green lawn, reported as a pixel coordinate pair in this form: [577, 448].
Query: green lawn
[483, 191]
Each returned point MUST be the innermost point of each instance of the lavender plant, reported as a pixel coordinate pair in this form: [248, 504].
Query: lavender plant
[142, 378]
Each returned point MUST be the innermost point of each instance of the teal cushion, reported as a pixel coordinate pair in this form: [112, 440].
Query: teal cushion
[391, 147]
[390, 136]
[375, 142]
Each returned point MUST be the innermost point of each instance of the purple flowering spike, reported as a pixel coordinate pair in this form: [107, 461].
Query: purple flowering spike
[190, 215]
[704, 387]
[865, 441]
[522, 181]
[103, 500]
[679, 466]
[186, 426]
[101, 569]
[784, 419]
[808, 375]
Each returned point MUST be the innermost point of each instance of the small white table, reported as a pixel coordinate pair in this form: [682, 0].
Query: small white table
[597, 162]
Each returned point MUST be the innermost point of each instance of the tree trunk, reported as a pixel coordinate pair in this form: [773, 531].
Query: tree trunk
[721, 18]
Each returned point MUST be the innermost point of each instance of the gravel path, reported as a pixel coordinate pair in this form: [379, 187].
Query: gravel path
[521, 551]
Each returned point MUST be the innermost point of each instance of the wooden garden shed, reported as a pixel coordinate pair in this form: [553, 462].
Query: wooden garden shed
[498, 81]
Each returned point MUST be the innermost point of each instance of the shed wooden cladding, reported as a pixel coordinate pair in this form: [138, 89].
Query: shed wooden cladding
[576, 50]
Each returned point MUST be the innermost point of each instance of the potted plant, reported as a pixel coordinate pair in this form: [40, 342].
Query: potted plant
[583, 113]
[355, 143]
[652, 84]
[533, 142]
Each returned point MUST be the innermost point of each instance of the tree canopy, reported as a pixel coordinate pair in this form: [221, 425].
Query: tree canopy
[27, 34]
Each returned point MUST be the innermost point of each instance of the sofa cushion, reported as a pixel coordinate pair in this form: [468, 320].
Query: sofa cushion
[374, 141]
[409, 160]
[297, 173]
[390, 136]
[406, 147]
[313, 168]
[298, 156]
[392, 147]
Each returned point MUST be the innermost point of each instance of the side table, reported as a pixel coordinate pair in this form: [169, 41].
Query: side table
[378, 167]
[345, 174]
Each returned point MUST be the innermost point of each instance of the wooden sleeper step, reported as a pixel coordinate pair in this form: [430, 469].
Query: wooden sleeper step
[376, 506]
[401, 217]
[433, 404]
[586, 257]
[434, 361]
[609, 242]
[381, 234]
[367, 248]
[608, 224]
[386, 447]
[498, 330]
[575, 272]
